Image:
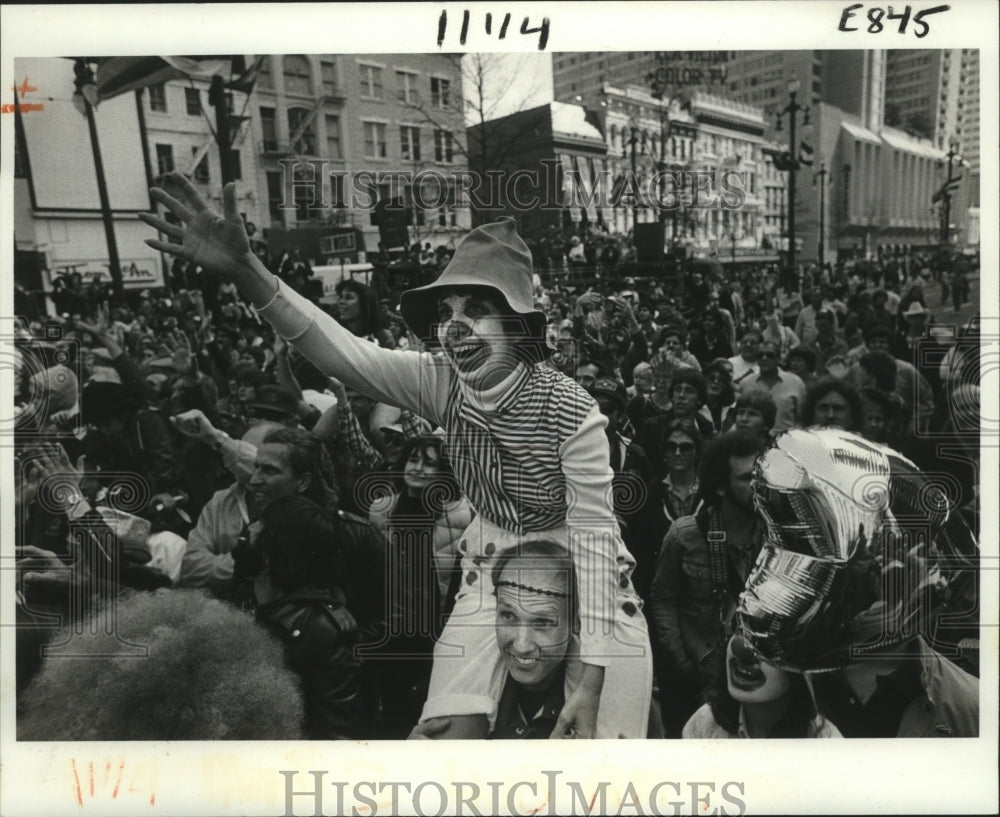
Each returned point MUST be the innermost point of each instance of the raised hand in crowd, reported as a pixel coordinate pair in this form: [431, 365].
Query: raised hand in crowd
[104, 331]
[194, 424]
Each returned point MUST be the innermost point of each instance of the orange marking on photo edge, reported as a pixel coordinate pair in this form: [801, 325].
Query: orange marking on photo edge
[26, 107]
[118, 782]
[76, 780]
[90, 767]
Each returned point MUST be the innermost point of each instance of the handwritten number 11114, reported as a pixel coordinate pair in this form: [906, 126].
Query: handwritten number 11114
[876, 15]
[542, 30]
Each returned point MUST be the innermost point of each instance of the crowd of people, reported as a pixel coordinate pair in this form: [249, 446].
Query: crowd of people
[497, 508]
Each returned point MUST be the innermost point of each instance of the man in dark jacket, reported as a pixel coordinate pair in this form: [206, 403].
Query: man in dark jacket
[700, 572]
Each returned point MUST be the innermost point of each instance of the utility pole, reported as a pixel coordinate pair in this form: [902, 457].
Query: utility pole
[219, 99]
[946, 196]
[821, 175]
[792, 109]
[84, 99]
[632, 140]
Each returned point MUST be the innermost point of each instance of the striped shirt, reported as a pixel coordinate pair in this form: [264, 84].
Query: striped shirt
[536, 460]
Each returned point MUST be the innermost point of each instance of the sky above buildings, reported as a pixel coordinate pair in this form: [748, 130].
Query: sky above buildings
[516, 82]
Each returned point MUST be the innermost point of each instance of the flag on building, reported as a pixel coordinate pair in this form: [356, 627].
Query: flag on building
[783, 161]
[947, 189]
[805, 154]
[118, 75]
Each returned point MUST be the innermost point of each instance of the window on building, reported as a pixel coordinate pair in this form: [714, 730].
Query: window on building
[201, 170]
[447, 217]
[409, 140]
[337, 188]
[328, 77]
[375, 147]
[236, 163]
[406, 87]
[418, 216]
[443, 146]
[298, 75]
[269, 129]
[164, 159]
[275, 196]
[158, 98]
[303, 139]
[440, 92]
[303, 193]
[192, 98]
[333, 147]
[264, 76]
[371, 81]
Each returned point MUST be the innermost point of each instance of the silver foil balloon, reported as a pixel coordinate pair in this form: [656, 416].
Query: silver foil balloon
[860, 550]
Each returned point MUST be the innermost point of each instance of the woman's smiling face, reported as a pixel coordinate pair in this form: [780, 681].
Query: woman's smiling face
[472, 333]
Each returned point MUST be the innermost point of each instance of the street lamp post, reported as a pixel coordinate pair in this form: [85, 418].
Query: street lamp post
[658, 87]
[821, 175]
[946, 195]
[791, 110]
[633, 138]
[781, 215]
[84, 99]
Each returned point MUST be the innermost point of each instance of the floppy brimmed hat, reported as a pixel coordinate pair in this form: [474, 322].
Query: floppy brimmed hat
[274, 403]
[102, 399]
[492, 256]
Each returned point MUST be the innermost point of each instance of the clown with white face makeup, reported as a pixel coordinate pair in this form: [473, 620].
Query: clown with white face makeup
[527, 446]
[758, 701]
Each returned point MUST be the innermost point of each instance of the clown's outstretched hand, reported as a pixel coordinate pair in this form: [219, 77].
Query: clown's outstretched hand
[205, 238]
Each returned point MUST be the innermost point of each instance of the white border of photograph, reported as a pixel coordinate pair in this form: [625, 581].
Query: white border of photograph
[854, 776]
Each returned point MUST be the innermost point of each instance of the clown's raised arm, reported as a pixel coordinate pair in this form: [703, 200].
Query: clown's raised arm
[410, 380]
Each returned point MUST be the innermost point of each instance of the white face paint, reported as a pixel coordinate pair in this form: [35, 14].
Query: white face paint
[472, 333]
[750, 679]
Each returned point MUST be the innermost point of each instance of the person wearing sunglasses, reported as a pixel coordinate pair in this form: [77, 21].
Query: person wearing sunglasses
[786, 390]
[681, 454]
[719, 394]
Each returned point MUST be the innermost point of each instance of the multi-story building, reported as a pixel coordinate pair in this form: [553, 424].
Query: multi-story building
[373, 125]
[879, 179]
[580, 75]
[922, 91]
[58, 225]
[704, 137]
[368, 124]
[967, 126]
[761, 78]
[547, 168]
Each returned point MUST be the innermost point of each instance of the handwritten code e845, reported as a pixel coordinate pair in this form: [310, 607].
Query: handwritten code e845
[879, 19]
[542, 29]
